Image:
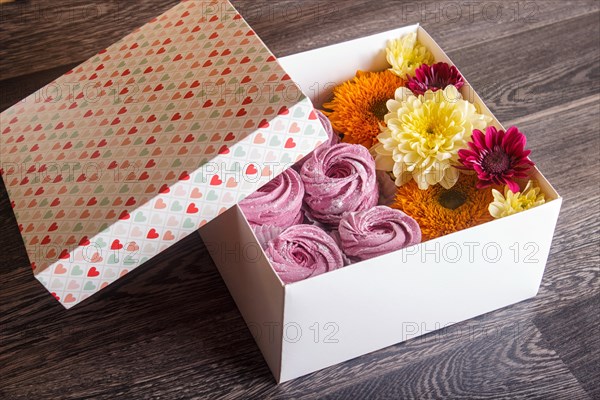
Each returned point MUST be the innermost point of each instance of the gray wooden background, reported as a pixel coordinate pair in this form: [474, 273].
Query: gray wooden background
[170, 330]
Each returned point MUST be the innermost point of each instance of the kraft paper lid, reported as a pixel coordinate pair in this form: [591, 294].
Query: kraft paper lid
[146, 142]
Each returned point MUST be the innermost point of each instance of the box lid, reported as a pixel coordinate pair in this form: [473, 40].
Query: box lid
[147, 141]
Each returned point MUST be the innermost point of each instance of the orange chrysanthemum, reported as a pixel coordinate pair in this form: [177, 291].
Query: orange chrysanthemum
[442, 211]
[359, 106]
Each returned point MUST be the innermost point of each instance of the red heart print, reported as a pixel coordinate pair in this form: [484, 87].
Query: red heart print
[164, 189]
[93, 272]
[251, 170]
[116, 245]
[124, 216]
[216, 181]
[184, 176]
[224, 150]
[192, 209]
[290, 144]
[264, 124]
[152, 234]
[64, 255]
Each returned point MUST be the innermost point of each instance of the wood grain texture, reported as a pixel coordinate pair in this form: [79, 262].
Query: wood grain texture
[170, 330]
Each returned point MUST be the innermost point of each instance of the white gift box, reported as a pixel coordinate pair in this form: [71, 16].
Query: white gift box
[322, 321]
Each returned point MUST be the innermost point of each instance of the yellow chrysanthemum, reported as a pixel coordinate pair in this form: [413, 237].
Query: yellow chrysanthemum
[359, 106]
[406, 54]
[423, 136]
[512, 203]
[440, 211]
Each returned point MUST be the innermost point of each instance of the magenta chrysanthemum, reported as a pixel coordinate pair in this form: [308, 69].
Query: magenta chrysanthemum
[434, 77]
[498, 157]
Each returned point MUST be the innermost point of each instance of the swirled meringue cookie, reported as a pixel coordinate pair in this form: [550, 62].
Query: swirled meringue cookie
[303, 251]
[339, 179]
[377, 231]
[278, 203]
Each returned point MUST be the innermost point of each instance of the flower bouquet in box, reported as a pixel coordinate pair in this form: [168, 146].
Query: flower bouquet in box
[409, 159]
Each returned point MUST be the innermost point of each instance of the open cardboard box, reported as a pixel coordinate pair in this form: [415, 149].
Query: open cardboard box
[309, 325]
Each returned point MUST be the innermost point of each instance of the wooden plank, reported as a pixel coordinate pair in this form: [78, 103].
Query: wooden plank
[476, 369]
[569, 332]
[37, 35]
[521, 75]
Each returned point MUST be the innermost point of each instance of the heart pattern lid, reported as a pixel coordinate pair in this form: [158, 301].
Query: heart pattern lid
[146, 142]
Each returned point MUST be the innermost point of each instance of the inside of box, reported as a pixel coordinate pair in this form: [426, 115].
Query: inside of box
[368, 54]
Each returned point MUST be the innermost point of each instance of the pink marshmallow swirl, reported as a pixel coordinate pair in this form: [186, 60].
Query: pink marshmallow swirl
[303, 251]
[380, 230]
[278, 203]
[339, 179]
